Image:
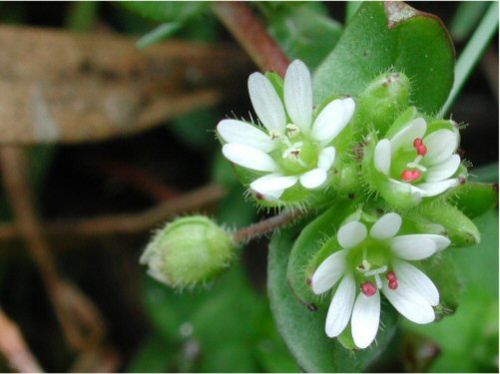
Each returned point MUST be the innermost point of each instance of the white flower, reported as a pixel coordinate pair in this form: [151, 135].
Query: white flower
[374, 262]
[293, 146]
[419, 163]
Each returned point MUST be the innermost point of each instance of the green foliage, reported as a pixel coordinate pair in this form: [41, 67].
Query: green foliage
[166, 11]
[475, 199]
[395, 36]
[475, 323]
[303, 329]
[304, 31]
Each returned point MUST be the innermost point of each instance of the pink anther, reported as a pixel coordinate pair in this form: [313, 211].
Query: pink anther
[410, 175]
[368, 288]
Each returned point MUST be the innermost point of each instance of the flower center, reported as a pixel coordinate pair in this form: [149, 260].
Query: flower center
[296, 154]
[371, 262]
[407, 163]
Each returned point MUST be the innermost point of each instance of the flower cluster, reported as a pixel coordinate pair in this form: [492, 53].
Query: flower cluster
[376, 261]
[294, 146]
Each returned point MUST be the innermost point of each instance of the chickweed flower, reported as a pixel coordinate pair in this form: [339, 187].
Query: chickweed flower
[416, 162]
[294, 148]
[372, 261]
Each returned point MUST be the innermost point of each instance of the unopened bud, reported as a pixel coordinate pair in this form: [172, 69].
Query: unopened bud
[189, 251]
[383, 99]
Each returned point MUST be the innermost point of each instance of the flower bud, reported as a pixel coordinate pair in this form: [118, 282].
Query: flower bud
[383, 99]
[188, 252]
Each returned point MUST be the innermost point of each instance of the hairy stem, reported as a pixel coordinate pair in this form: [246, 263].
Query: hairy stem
[250, 32]
[268, 225]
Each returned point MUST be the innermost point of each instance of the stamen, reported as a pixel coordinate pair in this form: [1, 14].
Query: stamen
[420, 147]
[391, 276]
[293, 130]
[378, 281]
[368, 288]
[274, 135]
[393, 280]
[373, 272]
[411, 175]
[393, 284]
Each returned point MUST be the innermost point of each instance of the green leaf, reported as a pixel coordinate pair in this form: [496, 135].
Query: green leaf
[153, 356]
[394, 35]
[467, 338]
[304, 33]
[472, 52]
[303, 330]
[466, 18]
[475, 199]
[166, 11]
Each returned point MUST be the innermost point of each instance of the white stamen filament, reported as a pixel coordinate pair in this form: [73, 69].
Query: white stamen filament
[416, 164]
[373, 272]
[378, 281]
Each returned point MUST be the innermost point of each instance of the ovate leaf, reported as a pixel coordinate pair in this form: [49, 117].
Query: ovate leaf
[390, 35]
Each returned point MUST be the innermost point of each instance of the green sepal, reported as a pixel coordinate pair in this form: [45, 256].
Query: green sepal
[441, 270]
[313, 245]
[458, 227]
[475, 199]
[345, 338]
[401, 121]
[382, 101]
[277, 83]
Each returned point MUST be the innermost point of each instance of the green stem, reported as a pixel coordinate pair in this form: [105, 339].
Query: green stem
[471, 54]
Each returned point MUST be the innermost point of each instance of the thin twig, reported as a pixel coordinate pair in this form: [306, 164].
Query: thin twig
[250, 32]
[268, 225]
[14, 348]
[81, 322]
[126, 223]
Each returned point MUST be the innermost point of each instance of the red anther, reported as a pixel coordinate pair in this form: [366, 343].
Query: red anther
[368, 288]
[391, 276]
[422, 150]
[410, 175]
[417, 143]
[393, 284]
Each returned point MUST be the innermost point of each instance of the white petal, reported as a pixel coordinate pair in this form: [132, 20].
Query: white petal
[329, 272]
[409, 303]
[436, 188]
[413, 247]
[313, 178]
[383, 156]
[326, 158]
[443, 170]
[298, 95]
[386, 227]
[414, 192]
[340, 309]
[233, 131]
[332, 120]
[273, 195]
[365, 319]
[273, 182]
[440, 146]
[351, 234]
[249, 157]
[267, 103]
[416, 279]
[441, 242]
[407, 135]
